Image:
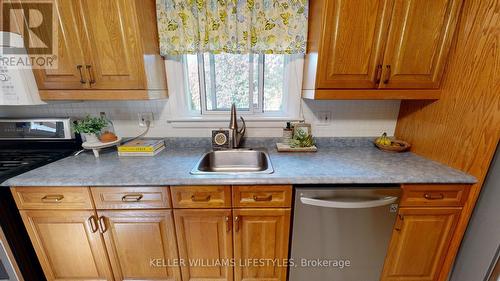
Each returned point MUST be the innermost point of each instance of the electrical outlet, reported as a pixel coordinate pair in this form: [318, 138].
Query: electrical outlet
[324, 118]
[145, 117]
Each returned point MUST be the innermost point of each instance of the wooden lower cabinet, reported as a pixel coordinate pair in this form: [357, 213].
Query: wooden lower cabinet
[68, 244]
[141, 244]
[204, 237]
[81, 240]
[211, 244]
[419, 244]
[261, 236]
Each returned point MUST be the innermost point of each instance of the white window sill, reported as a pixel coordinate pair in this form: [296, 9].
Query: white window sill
[213, 122]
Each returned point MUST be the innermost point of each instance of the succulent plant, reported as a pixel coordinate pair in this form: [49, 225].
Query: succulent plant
[302, 139]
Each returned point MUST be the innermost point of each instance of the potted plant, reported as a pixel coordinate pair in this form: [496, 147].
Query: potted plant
[90, 128]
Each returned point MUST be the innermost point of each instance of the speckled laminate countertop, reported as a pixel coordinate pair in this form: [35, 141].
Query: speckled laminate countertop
[332, 164]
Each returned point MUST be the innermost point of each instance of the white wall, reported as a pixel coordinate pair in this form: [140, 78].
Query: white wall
[348, 118]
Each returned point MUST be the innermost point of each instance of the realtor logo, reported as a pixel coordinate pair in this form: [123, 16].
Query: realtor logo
[36, 22]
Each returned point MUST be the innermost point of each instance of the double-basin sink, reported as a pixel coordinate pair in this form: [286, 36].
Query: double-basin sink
[234, 161]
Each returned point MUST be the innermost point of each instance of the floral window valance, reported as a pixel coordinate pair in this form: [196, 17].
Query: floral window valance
[232, 26]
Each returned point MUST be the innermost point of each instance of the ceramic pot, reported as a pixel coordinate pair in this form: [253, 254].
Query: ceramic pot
[91, 138]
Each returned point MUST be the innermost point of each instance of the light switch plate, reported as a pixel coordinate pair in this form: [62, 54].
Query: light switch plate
[324, 118]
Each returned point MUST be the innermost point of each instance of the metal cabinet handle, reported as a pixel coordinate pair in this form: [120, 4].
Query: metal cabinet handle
[379, 74]
[349, 203]
[195, 198]
[102, 225]
[55, 198]
[263, 198]
[93, 224]
[387, 74]
[79, 67]
[228, 223]
[434, 197]
[91, 76]
[132, 197]
[399, 222]
[237, 223]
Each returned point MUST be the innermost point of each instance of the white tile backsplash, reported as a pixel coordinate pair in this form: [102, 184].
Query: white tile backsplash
[348, 118]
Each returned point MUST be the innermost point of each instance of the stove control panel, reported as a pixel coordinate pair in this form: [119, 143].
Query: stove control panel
[35, 129]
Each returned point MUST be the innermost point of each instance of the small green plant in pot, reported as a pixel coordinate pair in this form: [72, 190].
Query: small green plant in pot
[302, 139]
[90, 127]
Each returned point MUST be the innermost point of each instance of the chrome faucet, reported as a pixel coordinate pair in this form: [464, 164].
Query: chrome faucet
[236, 134]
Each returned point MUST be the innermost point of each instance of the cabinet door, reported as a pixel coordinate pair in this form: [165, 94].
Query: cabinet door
[419, 39]
[114, 49]
[205, 244]
[70, 70]
[68, 245]
[419, 243]
[352, 47]
[261, 234]
[141, 244]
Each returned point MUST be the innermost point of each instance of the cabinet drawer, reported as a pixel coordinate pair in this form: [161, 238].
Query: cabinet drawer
[262, 196]
[434, 195]
[52, 197]
[201, 196]
[131, 197]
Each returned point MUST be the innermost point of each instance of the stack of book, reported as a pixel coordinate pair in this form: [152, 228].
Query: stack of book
[141, 147]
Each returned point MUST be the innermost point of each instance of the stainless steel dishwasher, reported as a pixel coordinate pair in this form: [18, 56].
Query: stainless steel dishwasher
[342, 233]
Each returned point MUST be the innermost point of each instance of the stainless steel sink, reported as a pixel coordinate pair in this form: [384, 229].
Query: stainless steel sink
[236, 161]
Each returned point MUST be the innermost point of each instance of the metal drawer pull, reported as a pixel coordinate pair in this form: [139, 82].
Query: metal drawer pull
[132, 197]
[57, 198]
[349, 203]
[388, 74]
[379, 74]
[102, 225]
[237, 224]
[91, 77]
[434, 197]
[263, 198]
[228, 223]
[93, 224]
[195, 198]
[79, 67]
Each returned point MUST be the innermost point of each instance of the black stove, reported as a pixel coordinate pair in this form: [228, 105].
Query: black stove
[18, 159]
[14, 161]
[26, 144]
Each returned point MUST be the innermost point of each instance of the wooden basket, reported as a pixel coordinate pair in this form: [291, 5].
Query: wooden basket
[401, 147]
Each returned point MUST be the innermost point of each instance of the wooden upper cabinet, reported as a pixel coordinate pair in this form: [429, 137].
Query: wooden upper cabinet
[378, 49]
[107, 50]
[70, 72]
[115, 55]
[420, 36]
[419, 244]
[68, 245]
[353, 43]
[205, 236]
[261, 234]
[141, 244]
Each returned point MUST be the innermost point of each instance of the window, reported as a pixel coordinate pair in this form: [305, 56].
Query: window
[255, 83]
[203, 86]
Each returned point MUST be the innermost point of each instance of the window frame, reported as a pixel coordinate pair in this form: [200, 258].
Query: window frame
[203, 93]
[180, 111]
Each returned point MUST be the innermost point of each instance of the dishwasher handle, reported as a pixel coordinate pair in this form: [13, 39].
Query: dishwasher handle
[349, 204]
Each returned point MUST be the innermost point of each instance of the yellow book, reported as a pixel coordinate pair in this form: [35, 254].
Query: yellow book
[131, 154]
[135, 149]
[141, 145]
